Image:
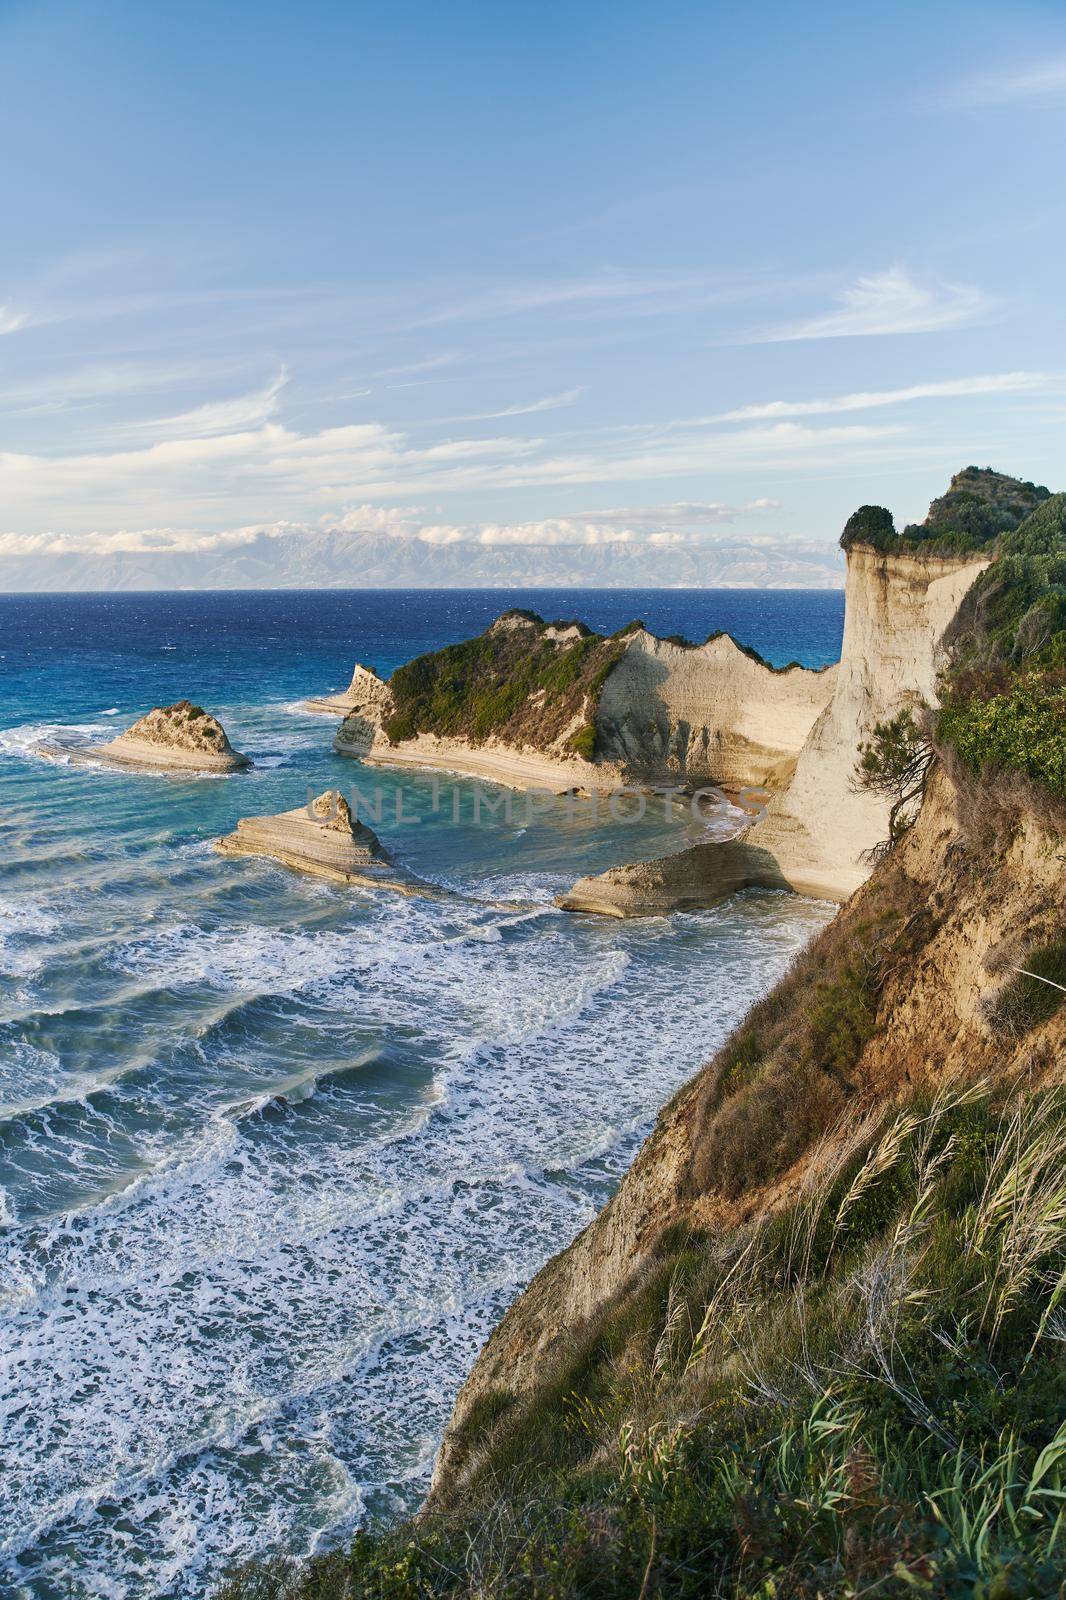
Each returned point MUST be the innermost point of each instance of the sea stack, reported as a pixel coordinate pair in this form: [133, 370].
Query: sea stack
[182, 737]
[322, 838]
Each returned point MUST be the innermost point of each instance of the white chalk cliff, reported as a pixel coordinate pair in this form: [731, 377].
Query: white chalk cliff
[709, 713]
[819, 828]
[897, 610]
[367, 694]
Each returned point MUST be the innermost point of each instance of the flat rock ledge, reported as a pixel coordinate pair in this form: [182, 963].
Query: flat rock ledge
[178, 738]
[690, 880]
[323, 839]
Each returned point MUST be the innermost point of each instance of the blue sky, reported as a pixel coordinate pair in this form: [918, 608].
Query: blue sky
[530, 273]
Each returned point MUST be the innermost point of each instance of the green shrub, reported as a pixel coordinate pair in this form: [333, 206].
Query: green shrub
[1004, 695]
[980, 506]
[742, 1064]
[896, 763]
[870, 525]
[1025, 1001]
[583, 742]
[1022, 730]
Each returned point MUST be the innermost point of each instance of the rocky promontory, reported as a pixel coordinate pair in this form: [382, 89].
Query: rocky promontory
[181, 738]
[366, 695]
[322, 838]
[536, 704]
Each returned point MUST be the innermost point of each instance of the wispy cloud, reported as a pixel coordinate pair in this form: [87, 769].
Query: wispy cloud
[616, 290]
[103, 382]
[681, 513]
[11, 321]
[446, 358]
[258, 473]
[219, 417]
[888, 302]
[950, 388]
[1038, 83]
[550, 402]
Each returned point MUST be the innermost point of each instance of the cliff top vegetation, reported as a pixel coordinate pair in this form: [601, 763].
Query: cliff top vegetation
[1004, 692]
[979, 506]
[859, 1394]
[523, 680]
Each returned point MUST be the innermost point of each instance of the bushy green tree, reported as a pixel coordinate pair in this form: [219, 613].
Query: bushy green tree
[870, 525]
[895, 763]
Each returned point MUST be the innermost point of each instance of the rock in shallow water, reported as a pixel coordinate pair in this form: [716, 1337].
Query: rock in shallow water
[322, 838]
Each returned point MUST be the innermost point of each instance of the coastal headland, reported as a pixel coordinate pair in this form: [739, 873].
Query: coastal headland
[821, 1306]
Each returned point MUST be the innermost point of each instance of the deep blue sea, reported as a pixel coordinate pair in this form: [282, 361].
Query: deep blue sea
[274, 1155]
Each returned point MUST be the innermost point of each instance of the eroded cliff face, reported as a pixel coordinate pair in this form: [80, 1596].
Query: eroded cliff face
[897, 610]
[819, 827]
[904, 988]
[709, 713]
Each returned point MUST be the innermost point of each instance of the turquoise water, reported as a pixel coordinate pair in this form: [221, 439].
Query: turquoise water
[273, 1154]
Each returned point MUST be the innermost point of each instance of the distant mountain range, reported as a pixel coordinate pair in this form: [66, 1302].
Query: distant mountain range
[335, 559]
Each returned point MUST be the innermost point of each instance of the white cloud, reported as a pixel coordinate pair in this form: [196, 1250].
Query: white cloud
[1040, 84]
[889, 302]
[552, 532]
[674, 525]
[992, 383]
[224, 416]
[139, 541]
[398, 521]
[12, 321]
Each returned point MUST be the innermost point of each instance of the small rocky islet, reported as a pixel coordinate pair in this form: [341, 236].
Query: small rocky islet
[182, 737]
